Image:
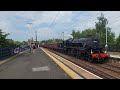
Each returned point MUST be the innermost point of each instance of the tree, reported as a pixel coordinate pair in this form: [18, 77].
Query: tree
[18, 43]
[118, 40]
[88, 33]
[10, 43]
[25, 43]
[74, 34]
[3, 39]
[4, 42]
[58, 40]
[84, 34]
[52, 41]
[101, 31]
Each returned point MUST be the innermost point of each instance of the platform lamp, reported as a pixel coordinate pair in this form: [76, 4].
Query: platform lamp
[30, 31]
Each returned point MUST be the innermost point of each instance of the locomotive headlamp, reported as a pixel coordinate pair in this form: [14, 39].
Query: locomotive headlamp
[91, 51]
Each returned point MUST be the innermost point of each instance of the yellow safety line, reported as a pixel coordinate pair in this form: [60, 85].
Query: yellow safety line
[70, 72]
[61, 59]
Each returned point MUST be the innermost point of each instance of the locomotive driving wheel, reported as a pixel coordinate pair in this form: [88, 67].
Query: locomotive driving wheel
[78, 54]
[90, 59]
[83, 56]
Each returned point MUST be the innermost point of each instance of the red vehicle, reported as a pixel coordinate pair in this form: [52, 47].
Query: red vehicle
[51, 46]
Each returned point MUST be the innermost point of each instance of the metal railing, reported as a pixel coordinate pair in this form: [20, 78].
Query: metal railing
[112, 48]
[7, 52]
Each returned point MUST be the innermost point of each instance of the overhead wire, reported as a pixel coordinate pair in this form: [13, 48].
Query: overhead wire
[83, 21]
[109, 21]
[49, 28]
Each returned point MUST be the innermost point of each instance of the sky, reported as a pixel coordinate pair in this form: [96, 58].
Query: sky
[16, 23]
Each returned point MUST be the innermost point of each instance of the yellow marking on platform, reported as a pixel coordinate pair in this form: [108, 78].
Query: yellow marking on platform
[70, 72]
[83, 72]
[1, 62]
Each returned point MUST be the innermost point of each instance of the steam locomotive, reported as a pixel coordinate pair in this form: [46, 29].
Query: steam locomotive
[84, 48]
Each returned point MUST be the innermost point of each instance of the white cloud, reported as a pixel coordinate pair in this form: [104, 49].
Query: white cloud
[112, 16]
[114, 21]
[15, 22]
[44, 33]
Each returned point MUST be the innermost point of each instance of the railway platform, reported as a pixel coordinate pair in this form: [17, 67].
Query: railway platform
[34, 65]
[114, 54]
[42, 64]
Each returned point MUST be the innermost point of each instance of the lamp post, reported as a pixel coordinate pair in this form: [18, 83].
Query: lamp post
[30, 31]
[106, 46]
[63, 36]
[36, 37]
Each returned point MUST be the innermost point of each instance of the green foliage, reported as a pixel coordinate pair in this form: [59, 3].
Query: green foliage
[52, 41]
[84, 34]
[4, 42]
[87, 33]
[18, 43]
[118, 40]
[25, 43]
[3, 39]
[101, 31]
[98, 32]
[76, 34]
[9, 43]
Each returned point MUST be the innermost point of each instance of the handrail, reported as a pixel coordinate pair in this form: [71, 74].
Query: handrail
[5, 52]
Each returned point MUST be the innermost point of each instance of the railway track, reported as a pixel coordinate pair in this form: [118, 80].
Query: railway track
[81, 73]
[114, 60]
[116, 65]
[111, 67]
[107, 70]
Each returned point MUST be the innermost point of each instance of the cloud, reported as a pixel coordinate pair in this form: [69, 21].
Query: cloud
[15, 22]
[44, 33]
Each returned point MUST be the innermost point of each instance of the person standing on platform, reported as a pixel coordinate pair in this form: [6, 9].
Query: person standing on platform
[30, 48]
[34, 48]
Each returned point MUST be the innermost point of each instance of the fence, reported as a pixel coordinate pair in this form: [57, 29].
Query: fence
[21, 49]
[6, 52]
[112, 48]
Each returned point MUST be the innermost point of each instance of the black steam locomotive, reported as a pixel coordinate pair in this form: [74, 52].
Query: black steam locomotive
[84, 48]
